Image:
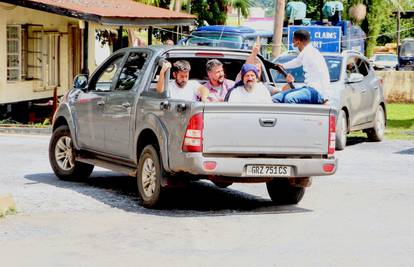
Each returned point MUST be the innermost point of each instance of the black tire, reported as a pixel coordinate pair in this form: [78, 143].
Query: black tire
[62, 157]
[283, 193]
[376, 133]
[341, 130]
[150, 191]
[222, 184]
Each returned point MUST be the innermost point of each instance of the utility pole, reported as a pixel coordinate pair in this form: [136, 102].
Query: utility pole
[398, 30]
[278, 27]
[177, 6]
[321, 10]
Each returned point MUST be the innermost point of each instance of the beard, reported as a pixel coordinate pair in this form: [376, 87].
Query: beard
[249, 86]
[181, 84]
[220, 80]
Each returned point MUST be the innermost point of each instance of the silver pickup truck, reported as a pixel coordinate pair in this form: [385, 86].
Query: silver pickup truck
[115, 119]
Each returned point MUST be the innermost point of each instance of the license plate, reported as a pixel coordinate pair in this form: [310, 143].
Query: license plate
[268, 170]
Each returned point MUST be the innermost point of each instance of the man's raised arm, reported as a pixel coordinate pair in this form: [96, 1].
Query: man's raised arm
[161, 80]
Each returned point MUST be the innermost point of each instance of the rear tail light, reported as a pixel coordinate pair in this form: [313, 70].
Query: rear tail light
[193, 139]
[328, 168]
[209, 54]
[331, 141]
[209, 165]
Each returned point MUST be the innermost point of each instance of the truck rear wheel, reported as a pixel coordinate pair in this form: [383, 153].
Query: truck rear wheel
[62, 157]
[283, 193]
[149, 175]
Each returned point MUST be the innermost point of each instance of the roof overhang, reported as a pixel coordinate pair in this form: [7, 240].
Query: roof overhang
[109, 12]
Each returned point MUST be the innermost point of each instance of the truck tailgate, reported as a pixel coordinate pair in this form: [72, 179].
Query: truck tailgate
[273, 129]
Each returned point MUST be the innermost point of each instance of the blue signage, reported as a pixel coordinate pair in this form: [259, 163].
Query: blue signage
[324, 38]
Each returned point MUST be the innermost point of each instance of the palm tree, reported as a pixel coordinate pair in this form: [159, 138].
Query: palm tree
[242, 7]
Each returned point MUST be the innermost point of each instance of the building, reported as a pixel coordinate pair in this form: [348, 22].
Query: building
[48, 42]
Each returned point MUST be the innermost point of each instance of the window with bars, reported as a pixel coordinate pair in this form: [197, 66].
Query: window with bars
[13, 52]
[33, 54]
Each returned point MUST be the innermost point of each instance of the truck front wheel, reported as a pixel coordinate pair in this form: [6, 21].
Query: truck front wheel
[283, 193]
[149, 175]
[62, 157]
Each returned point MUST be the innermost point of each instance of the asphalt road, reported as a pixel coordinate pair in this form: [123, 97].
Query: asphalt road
[361, 216]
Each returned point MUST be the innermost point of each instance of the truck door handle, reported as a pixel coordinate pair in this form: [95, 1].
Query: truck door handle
[267, 122]
[165, 105]
[181, 107]
[100, 102]
[126, 105]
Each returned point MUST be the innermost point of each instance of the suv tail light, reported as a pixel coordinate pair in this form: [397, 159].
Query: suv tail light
[331, 141]
[193, 139]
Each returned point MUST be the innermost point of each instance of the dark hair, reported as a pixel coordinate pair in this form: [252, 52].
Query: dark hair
[181, 65]
[301, 35]
[212, 63]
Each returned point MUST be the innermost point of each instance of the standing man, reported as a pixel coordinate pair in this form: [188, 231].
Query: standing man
[251, 91]
[181, 87]
[317, 81]
[217, 84]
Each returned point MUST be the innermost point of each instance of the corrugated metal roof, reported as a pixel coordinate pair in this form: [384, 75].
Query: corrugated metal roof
[106, 11]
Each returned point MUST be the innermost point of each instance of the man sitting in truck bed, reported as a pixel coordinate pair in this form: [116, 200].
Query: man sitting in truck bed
[181, 87]
[218, 85]
[251, 91]
[317, 81]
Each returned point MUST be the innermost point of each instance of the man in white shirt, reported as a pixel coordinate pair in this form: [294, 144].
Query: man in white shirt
[181, 87]
[251, 91]
[317, 81]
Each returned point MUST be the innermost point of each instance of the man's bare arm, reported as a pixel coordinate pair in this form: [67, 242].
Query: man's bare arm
[204, 93]
[161, 80]
[255, 51]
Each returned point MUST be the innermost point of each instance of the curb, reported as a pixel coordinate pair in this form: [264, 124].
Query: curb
[26, 130]
[7, 205]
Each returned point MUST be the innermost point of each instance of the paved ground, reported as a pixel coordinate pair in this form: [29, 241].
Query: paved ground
[361, 216]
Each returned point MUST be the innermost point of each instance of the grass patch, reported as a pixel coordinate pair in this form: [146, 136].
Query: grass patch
[11, 123]
[11, 211]
[400, 123]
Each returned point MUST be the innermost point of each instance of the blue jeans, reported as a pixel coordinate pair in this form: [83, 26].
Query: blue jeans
[303, 95]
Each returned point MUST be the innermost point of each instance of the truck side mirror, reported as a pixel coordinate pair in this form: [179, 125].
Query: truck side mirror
[80, 81]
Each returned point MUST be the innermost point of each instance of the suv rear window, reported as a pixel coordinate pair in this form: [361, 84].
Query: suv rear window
[333, 62]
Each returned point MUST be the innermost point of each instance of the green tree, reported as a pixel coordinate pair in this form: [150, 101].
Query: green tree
[242, 7]
[379, 14]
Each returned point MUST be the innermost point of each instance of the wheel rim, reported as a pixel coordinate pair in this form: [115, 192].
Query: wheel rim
[149, 177]
[380, 122]
[63, 153]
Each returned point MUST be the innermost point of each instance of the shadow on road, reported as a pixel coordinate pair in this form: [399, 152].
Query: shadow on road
[355, 140]
[408, 151]
[195, 200]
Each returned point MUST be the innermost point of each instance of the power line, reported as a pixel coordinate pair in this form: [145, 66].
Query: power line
[268, 45]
